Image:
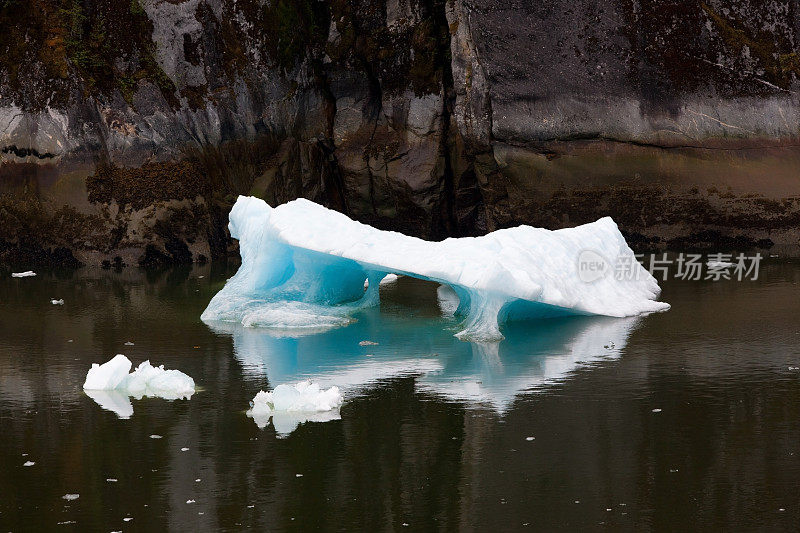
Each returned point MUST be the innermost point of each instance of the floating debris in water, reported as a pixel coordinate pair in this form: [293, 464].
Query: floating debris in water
[184, 449]
[71, 497]
[367, 343]
[189, 501]
[127, 519]
[26, 274]
[129, 343]
[530, 438]
[154, 436]
[197, 480]
[29, 463]
[656, 410]
[298, 475]
[111, 479]
[57, 302]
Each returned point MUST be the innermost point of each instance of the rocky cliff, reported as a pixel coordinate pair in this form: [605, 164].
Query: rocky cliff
[128, 127]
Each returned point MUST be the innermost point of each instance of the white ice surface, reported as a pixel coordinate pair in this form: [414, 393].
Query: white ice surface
[302, 252]
[26, 274]
[290, 405]
[110, 385]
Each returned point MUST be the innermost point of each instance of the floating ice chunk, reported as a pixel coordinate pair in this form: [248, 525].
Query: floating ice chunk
[148, 380]
[302, 252]
[291, 405]
[57, 302]
[110, 384]
[367, 343]
[129, 343]
[71, 497]
[26, 274]
[28, 463]
[154, 436]
[109, 375]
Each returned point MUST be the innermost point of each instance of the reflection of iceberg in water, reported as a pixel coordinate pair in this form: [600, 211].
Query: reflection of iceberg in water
[533, 355]
[112, 400]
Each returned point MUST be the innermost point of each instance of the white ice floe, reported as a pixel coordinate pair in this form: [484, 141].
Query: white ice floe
[57, 302]
[71, 497]
[26, 274]
[291, 405]
[111, 384]
[319, 259]
[28, 463]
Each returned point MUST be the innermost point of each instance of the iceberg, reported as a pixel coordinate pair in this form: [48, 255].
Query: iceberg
[26, 274]
[111, 384]
[318, 260]
[291, 405]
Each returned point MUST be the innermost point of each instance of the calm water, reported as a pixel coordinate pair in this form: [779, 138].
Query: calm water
[434, 433]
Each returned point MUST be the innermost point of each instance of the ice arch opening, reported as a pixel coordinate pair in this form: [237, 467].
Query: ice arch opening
[305, 266]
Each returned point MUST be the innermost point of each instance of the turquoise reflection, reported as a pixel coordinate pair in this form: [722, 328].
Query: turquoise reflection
[383, 344]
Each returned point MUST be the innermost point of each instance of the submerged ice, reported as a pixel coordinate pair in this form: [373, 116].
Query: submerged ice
[290, 405]
[111, 384]
[305, 266]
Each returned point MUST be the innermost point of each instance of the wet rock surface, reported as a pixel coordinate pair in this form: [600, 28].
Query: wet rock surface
[127, 129]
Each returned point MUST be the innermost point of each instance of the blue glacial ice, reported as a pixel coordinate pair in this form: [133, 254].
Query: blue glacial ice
[305, 267]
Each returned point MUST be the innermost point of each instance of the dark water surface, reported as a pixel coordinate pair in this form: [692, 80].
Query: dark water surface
[434, 431]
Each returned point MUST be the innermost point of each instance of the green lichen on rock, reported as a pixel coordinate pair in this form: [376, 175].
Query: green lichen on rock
[50, 48]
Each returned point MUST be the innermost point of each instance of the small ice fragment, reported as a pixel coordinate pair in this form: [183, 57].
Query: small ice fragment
[111, 479]
[656, 410]
[26, 274]
[200, 277]
[577, 501]
[109, 375]
[197, 480]
[28, 463]
[608, 509]
[530, 438]
[781, 510]
[201, 513]
[70, 340]
[290, 405]
[367, 343]
[71, 497]
[189, 501]
[388, 279]
[129, 343]
[154, 436]
[673, 470]
[57, 302]
[250, 506]
[65, 522]
[298, 475]
[127, 519]
[184, 449]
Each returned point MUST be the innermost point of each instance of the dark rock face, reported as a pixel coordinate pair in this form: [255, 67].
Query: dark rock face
[127, 129]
